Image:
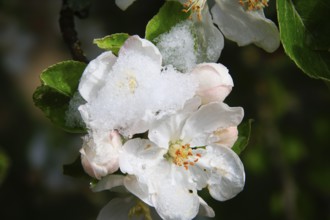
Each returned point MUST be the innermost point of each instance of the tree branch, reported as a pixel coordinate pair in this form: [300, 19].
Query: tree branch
[69, 33]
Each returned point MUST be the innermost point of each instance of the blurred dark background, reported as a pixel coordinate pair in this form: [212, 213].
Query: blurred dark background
[287, 161]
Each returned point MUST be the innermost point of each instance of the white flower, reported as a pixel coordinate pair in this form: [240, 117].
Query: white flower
[128, 92]
[180, 158]
[127, 208]
[242, 21]
[215, 83]
[124, 4]
[99, 154]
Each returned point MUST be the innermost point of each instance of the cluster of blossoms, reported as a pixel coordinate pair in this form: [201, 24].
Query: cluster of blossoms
[160, 132]
[189, 130]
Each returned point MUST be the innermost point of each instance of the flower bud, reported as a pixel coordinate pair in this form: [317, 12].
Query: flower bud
[215, 83]
[99, 154]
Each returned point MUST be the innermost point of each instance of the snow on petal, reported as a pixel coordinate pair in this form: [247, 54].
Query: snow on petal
[177, 46]
[214, 80]
[244, 26]
[136, 91]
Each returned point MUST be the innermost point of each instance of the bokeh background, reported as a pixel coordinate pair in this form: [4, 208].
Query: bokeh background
[287, 162]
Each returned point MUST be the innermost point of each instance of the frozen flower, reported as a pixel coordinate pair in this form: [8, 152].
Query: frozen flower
[99, 154]
[242, 21]
[124, 4]
[189, 43]
[129, 91]
[180, 158]
[215, 83]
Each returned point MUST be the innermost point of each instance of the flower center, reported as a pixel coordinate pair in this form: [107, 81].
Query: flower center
[195, 6]
[182, 154]
[253, 5]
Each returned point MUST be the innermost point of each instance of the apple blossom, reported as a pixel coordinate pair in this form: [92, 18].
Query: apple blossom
[129, 91]
[99, 154]
[242, 21]
[179, 159]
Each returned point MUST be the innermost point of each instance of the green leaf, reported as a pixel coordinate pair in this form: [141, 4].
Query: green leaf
[244, 132]
[168, 16]
[305, 34]
[64, 76]
[76, 170]
[112, 42]
[54, 105]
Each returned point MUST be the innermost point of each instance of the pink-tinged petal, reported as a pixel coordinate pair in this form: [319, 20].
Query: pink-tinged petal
[124, 4]
[215, 83]
[99, 156]
[227, 177]
[245, 27]
[200, 125]
[93, 78]
[136, 44]
[224, 136]
[109, 182]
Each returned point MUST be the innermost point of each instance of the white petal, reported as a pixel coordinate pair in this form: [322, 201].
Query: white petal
[215, 83]
[208, 119]
[146, 48]
[204, 209]
[175, 202]
[93, 77]
[118, 209]
[124, 4]
[139, 189]
[227, 172]
[109, 182]
[245, 27]
[210, 40]
[139, 156]
[167, 129]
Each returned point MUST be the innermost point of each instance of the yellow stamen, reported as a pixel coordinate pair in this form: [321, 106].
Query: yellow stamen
[195, 6]
[253, 5]
[182, 154]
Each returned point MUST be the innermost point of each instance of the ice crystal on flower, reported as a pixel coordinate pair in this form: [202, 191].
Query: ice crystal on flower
[72, 115]
[136, 90]
[177, 46]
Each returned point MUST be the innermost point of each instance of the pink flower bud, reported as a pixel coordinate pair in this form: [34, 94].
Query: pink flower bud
[99, 154]
[215, 83]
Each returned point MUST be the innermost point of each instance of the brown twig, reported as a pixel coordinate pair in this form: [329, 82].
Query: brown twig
[69, 33]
